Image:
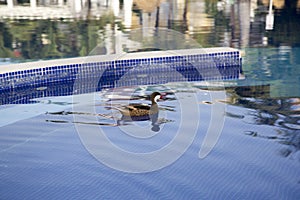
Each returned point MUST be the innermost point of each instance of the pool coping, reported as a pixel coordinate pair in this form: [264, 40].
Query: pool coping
[104, 58]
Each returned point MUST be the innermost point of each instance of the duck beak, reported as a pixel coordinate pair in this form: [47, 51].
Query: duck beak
[161, 97]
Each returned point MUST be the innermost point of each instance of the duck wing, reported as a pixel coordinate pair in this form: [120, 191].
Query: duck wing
[138, 107]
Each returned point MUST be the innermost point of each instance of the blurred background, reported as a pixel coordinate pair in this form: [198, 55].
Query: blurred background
[50, 29]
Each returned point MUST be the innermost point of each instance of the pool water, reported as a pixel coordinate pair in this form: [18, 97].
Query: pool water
[44, 153]
[62, 146]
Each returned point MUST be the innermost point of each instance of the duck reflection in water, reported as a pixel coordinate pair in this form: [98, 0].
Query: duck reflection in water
[141, 112]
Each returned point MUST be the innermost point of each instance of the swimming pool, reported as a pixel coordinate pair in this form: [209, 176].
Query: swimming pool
[256, 156]
[48, 149]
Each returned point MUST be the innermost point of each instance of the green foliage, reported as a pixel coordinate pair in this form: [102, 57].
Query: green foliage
[48, 39]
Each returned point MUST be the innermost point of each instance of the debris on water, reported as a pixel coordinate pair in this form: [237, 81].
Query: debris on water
[206, 102]
[251, 133]
[229, 114]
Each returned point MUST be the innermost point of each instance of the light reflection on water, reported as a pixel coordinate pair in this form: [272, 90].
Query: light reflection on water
[281, 112]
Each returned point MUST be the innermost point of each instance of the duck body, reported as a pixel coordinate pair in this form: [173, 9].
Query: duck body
[141, 112]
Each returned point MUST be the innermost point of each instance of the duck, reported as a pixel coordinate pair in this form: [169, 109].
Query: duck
[140, 112]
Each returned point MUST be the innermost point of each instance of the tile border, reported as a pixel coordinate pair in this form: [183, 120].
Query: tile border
[142, 68]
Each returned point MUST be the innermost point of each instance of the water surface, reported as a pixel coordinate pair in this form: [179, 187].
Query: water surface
[257, 153]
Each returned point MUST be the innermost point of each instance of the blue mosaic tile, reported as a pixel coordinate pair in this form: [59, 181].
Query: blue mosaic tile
[153, 70]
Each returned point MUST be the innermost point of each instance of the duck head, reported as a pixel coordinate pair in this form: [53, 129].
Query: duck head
[155, 96]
